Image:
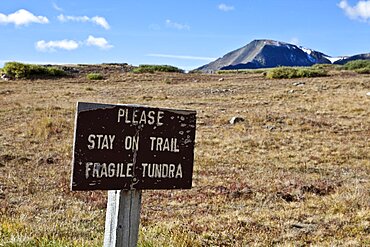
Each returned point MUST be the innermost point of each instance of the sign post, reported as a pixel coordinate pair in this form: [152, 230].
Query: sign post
[126, 149]
[122, 218]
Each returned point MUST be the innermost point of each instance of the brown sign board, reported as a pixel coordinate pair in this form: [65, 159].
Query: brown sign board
[121, 147]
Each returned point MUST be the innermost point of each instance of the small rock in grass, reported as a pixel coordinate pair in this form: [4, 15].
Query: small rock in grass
[5, 77]
[235, 120]
[270, 127]
[299, 84]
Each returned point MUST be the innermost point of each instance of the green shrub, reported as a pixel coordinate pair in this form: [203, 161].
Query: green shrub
[357, 64]
[16, 70]
[363, 70]
[30, 71]
[144, 68]
[290, 72]
[95, 76]
[53, 71]
[281, 72]
[309, 72]
[326, 66]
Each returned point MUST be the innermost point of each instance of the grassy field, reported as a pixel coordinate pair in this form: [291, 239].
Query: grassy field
[294, 173]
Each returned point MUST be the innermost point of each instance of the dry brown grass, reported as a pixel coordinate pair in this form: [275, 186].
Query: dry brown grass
[295, 172]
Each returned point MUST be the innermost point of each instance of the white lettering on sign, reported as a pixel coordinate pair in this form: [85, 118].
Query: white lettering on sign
[137, 117]
[161, 170]
[100, 141]
[164, 144]
[108, 170]
[132, 143]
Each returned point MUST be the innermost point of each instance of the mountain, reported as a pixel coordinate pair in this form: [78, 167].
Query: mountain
[365, 56]
[268, 54]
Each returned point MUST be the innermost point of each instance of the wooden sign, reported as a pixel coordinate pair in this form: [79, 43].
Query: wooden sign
[123, 147]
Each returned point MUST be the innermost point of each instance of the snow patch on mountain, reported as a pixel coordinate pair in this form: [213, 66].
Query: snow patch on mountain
[308, 52]
[334, 59]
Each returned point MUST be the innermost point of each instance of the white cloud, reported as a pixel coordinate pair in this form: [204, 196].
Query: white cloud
[22, 17]
[226, 8]
[98, 20]
[56, 7]
[102, 43]
[175, 25]
[183, 57]
[101, 21]
[64, 18]
[69, 45]
[294, 41]
[360, 11]
[51, 46]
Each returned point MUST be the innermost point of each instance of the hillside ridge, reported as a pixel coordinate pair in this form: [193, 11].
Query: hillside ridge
[265, 53]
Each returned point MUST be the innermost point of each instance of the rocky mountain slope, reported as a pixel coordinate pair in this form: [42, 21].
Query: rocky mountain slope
[365, 56]
[268, 54]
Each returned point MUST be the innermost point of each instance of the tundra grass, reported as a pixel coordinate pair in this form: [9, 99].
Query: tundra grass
[295, 172]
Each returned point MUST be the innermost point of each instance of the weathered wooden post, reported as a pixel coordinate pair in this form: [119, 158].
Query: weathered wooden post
[126, 149]
[122, 218]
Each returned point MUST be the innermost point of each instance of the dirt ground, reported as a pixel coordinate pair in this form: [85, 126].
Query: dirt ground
[295, 172]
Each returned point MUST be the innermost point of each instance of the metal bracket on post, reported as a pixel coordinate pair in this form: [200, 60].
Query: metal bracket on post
[122, 218]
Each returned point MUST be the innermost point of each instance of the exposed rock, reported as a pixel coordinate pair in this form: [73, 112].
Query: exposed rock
[221, 91]
[6, 92]
[266, 54]
[299, 84]
[235, 120]
[270, 127]
[70, 69]
[5, 77]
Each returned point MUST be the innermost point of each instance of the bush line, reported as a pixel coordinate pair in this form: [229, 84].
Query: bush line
[359, 66]
[145, 68]
[290, 72]
[18, 70]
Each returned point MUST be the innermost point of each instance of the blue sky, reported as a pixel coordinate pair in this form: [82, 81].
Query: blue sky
[184, 33]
